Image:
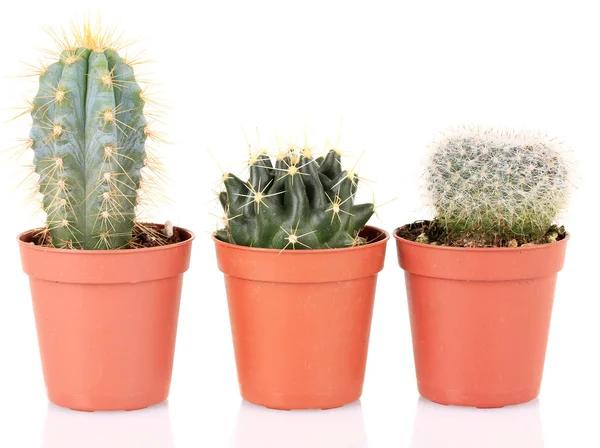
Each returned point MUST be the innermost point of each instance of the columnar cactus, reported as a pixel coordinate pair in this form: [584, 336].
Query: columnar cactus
[497, 184]
[88, 136]
[299, 202]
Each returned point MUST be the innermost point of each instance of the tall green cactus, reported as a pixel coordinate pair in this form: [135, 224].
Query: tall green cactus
[297, 203]
[88, 135]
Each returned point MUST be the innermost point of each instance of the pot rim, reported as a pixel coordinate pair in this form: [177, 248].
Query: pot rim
[401, 240]
[382, 241]
[96, 252]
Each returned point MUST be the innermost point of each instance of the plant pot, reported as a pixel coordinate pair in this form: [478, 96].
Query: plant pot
[301, 319]
[106, 321]
[480, 319]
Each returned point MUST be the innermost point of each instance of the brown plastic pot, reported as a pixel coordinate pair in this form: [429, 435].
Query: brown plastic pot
[480, 319]
[106, 321]
[301, 320]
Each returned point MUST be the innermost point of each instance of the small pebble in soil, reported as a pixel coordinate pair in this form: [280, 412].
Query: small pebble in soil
[168, 229]
[422, 238]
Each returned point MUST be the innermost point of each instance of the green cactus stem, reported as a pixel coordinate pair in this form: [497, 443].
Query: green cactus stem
[88, 136]
[298, 202]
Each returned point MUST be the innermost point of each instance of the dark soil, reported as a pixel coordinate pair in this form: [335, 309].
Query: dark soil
[151, 235]
[144, 235]
[431, 232]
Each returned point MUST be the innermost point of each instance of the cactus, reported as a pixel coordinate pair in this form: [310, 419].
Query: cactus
[491, 184]
[88, 137]
[298, 202]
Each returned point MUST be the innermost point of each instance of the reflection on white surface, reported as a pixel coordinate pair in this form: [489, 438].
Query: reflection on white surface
[259, 427]
[146, 428]
[456, 427]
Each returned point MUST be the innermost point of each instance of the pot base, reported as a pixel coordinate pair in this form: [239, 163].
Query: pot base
[91, 403]
[481, 400]
[287, 402]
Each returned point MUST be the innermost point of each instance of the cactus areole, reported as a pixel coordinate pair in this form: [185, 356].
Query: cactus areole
[298, 202]
[88, 135]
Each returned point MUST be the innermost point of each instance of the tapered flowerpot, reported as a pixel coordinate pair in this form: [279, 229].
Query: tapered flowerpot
[301, 320]
[480, 319]
[106, 321]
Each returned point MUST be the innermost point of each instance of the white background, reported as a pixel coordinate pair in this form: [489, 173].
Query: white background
[397, 72]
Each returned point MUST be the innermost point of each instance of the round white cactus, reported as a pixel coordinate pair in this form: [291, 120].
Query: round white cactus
[489, 183]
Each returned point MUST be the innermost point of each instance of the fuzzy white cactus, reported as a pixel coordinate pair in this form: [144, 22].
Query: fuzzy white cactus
[495, 184]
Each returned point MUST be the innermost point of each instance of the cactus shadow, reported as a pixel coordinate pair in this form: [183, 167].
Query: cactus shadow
[259, 427]
[146, 428]
[456, 427]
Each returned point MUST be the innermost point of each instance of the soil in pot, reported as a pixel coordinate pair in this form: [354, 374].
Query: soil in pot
[432, 232]
[144, 235]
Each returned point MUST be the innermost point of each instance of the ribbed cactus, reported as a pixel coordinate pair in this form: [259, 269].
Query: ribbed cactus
[494, 184]
[88, 135]
[299, 202]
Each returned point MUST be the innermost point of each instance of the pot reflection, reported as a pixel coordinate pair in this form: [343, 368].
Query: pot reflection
[146, 428]
[457, 427]
[259, 427]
